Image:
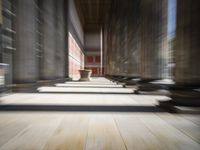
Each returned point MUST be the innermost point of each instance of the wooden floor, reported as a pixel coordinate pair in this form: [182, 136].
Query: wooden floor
[93, 117]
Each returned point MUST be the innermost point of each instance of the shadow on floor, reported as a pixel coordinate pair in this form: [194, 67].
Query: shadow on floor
[82, 108]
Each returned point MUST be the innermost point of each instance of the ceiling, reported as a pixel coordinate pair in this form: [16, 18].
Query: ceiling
[92, 12]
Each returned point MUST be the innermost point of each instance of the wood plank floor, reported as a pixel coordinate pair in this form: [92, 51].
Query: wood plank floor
[79, 121]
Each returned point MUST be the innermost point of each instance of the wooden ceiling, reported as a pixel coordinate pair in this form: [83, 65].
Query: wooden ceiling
[92, 12]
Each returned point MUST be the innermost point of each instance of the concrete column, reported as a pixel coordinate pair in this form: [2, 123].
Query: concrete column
[153, 39]
[116, 47]
[48, 62]
[105, 50]
[60, 40]
[117, 40]
[111, 53]
[25, 61]
[66, 30]
[187, 72]
[122, 40]
[1, 16]
[108, 53]
[6, 40]
[187, 43]
[132, 53]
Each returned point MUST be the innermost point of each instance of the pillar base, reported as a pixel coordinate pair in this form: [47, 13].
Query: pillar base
[132, 81]
[26, 88]
[168, 105]
[153, 86]
[185, 95]
[173, 107]
[182, 96]
[116, 78]
[125, 80]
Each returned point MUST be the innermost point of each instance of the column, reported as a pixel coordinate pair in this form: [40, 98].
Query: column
[124, 40]
[132, 53]
[116, 47]
[108, 52]
[48, 62]
[66, 30]
[154, 39]
[153, 54]
[187, 72]
[60, 40]
[121, 35]
[116, 40]
[187, 43]
[111, 51]
[25, 61]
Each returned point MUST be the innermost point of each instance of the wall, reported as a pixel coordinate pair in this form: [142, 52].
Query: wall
[75, 42]
[92, 40]
[76, 57]
[93, 53]
[75, 26]
[92, 61]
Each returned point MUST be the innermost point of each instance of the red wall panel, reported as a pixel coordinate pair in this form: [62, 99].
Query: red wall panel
[97, 59]
[89, 59]
[76, 57]
[94, 71]
[93, 62]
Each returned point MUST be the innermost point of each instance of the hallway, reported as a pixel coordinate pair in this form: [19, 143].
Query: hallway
[99, 75]
[93, 116]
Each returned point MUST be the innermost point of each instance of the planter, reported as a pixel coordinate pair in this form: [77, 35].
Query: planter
[85, 75]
